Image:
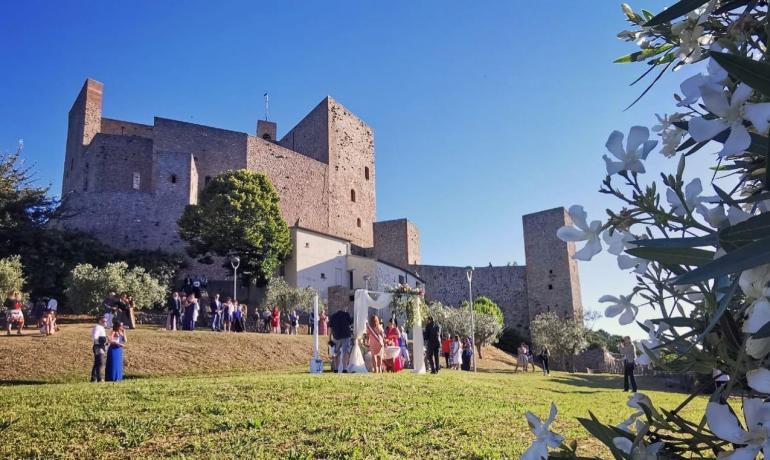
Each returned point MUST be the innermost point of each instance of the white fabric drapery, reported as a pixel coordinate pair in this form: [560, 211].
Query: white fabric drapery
[362, 302]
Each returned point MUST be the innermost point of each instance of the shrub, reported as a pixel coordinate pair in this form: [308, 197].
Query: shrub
[88, 286]
[11, 275]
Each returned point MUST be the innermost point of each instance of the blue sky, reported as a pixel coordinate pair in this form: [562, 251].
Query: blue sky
[481, 114]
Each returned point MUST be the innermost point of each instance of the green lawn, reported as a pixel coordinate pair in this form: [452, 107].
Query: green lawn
[296, 415]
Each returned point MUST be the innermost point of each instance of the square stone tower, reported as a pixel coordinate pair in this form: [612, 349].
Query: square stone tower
[552, 273]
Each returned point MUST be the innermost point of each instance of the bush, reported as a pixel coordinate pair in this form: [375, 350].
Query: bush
[88, 286]
[485, 306]
[11, 275]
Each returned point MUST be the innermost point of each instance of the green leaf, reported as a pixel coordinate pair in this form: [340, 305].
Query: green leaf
[747, 231]
[678, 256]
[676, 10]
[643, 54]
[745, 257]
[724, 196]
[689, 242]
[754, 73]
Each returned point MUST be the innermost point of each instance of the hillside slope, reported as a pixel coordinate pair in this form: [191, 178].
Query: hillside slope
[153, 352]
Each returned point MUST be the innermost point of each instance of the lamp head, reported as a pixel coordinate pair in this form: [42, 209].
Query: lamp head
[235, 261]
[469, 273]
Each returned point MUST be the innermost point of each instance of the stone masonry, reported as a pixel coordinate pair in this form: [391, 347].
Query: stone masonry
[127, 184]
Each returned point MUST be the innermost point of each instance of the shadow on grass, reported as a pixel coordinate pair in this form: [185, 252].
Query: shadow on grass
[615, 382]
[8, 383]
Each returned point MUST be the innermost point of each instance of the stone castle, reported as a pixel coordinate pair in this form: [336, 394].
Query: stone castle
[127, 183]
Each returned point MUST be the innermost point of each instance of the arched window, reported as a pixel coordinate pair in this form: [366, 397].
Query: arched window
[358, 222]
[173, 178]
[352, 195]
[366, 172]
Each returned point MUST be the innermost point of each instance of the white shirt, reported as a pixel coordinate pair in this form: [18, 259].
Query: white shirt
[96, 332]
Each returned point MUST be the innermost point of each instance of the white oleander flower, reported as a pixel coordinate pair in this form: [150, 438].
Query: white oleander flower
[692, 199]
[757, 315]
[625, 425]
[638, 400]
[654, 333]
[759, 380]
[755, 282]
[617, 242]
[582, 231]
[640, 451]
[731, 114]
[716, 217]
[715, 78]
[638, 146]
[754, 438]
[544, 437]
[758, 348]
[620, 306]
[691, 33]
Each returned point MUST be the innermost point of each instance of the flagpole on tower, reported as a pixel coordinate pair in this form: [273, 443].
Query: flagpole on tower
[267, 106]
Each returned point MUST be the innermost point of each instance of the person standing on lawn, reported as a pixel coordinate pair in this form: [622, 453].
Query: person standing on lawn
[99, 341]
[628, 351]
[323, 323]
[116, 340]
[215, 310]
[174, 311]
[467, 355]
[432, 336]
[341, 324]
[545, 355]
[446, 349]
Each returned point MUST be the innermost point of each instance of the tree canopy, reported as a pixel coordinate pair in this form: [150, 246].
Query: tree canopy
[485, 306]
[238, 212]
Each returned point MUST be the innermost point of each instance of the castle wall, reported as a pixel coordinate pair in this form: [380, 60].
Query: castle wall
[310, 136]
[552, 274]
[125, 128]
[215, 150]
[351, 155]
[300, 181]
[506, 286]
[114, 159]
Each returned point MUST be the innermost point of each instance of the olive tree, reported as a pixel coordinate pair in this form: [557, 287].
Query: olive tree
[88, 286]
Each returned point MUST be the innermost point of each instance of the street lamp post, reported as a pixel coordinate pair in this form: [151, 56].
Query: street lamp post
[469, 276]
[235, 262]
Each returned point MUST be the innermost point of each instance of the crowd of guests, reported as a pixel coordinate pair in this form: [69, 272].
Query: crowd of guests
[43, 312]
[456, 350]
[526, 358]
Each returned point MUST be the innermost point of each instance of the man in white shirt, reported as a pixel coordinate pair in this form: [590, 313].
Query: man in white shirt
[99, 341]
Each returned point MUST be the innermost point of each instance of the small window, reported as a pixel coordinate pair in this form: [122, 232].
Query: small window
[207, 180]
[366, 172]
[323, 276]
[173, 178]
[137, 181]
[350, 279]
[550, 287]
[401, 279]
[266, 136]
[358, 222]
[550, 272]
[353, 195]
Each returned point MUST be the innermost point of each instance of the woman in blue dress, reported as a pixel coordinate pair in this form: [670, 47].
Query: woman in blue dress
[187, 316]
[117, 340]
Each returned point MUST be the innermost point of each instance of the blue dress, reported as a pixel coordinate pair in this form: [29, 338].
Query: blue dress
[114, 367]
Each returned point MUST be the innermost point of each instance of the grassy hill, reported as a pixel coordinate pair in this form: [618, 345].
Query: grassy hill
[252, 398]
[155, 352]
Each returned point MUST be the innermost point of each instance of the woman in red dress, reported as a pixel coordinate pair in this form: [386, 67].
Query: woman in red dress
[276, 323]
[392, 334]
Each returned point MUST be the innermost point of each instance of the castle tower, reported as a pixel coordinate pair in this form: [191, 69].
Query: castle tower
[331, 134]
[397, 242]
[85, 121]
[552, 273]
